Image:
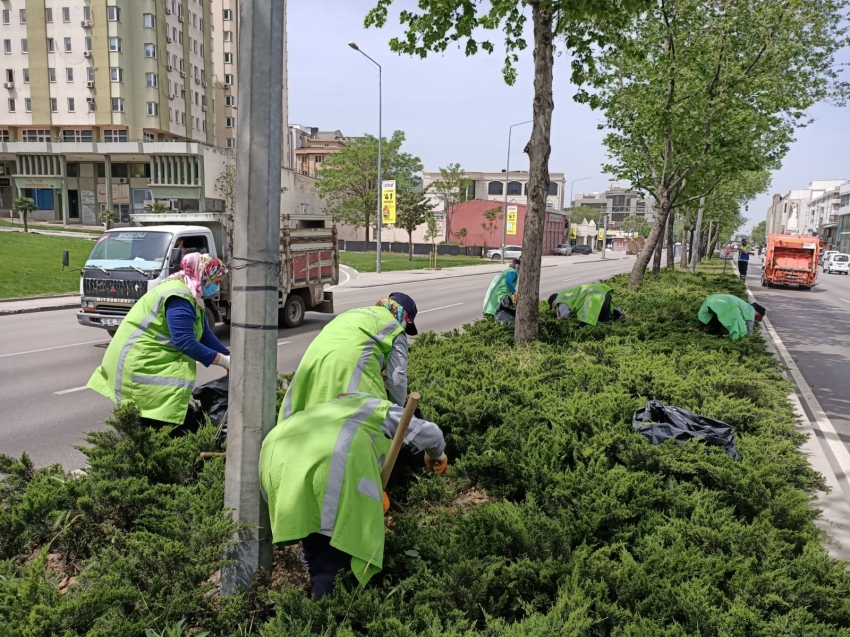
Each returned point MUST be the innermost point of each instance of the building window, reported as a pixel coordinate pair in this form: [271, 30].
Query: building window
[231, 142]
[202, 50]
[228, 58]
[11, 105]
[228, 79]
[36, 135]
[26, 76]
[201, 24]
[66, 14]
[229, 122]
[90, 73]
[115, 45]
[51, 45]
[7, 47]
[10, 75]
[151, 79]
[92, 106]
[228, 36]
[229, 100]
[24, 46]
[227, 14]
[118, 104]
[495, 188]
[88, 46]
[150, 50]
[54, 105]
[116, 74]
[203, 126]
[69, 75]
[150, 21]
[180, 37]
[67, 45]
[6, 13]
[4, 137]
[23, 16]
[153, 109]
[114, 136]
[170, 115]
[470, 191]
[319, 159]
[553, 189]
[51, 75]
[48, 15]
[86, 12]
[71, 105]
[514, 188]
[195, 46]
[113, 14]
[28, 104]
[70, 135]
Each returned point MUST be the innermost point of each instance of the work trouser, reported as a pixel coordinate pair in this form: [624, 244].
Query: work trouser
[323, 562]
[742, 268]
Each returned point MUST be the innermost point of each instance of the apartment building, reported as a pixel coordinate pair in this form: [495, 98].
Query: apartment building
[793, 213]
[311, 146]
[116, 103]
[618, 203]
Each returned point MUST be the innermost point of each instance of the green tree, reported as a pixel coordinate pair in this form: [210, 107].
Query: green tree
[440, 23]
[638, 224]
[411, 212]
[349, 178]
[454, 186]
[432, 233]
[695, 91]
[156, 208]
[109, 217]
[460, 235]
[24, 206]
[758, 234]
[492, 215]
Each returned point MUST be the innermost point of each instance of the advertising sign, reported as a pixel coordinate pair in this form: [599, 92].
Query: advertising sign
[89, 207]
[388, 201]
[512, 220]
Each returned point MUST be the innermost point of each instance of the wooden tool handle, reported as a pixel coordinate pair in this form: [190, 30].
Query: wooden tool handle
[213, 454]
[398, 439]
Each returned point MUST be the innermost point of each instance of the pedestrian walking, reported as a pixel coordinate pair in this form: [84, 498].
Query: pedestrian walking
[744, 258]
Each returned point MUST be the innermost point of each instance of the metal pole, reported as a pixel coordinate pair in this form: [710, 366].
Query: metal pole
[708, 242]
[573, 183]
[695, 249]
[604, 234]
[255, 267]
[507, 176]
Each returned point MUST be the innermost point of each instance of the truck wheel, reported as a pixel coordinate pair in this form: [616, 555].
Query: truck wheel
[210, 316]
[763, 283]
[292, 312]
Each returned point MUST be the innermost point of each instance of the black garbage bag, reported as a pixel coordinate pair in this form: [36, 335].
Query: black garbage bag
[506, 312]
[657, 423]
[210, 399]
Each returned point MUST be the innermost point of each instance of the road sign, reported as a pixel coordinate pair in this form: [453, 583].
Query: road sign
[388, 201]
[512, 220]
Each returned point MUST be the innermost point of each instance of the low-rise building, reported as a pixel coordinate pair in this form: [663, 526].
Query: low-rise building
[470, 216]
[492, 186]
[618, 203]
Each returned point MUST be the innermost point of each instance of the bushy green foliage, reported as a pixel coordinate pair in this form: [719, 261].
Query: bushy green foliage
[556, 519]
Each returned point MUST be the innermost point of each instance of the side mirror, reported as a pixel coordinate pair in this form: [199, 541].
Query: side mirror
[174, 258]
[65, 258]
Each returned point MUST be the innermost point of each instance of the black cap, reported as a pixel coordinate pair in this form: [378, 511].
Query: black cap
[516, 262]
[409, 306]
[552, 299]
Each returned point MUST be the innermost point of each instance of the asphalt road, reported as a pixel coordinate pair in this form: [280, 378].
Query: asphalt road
[46, 358]
[815, 329]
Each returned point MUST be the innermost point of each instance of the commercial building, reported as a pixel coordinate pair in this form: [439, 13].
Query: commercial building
[491, 186]
[470, 216]
[842, 230]
[618, 203]
[117, 103]
[791, 213]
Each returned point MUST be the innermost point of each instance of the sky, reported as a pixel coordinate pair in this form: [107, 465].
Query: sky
[455, 108]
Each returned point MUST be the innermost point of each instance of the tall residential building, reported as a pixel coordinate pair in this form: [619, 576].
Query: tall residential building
[117, 103]
[618, 202]
[791, 213]
[310, 147]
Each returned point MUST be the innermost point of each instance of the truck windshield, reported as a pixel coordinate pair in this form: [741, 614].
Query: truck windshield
[144, 250]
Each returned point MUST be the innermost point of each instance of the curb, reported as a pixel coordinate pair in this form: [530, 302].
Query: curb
[32, 310]
[38, 298]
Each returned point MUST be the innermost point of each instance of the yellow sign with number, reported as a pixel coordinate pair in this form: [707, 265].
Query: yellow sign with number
[512, 220]
[573, 232]
[600, 234]
[388, 201]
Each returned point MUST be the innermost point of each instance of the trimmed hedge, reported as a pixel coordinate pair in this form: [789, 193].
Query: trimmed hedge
[556, 519]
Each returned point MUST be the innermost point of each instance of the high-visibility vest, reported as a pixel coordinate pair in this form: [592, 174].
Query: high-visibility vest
[347, 356]
[320, 471]
[498, 288]
[141, 363]
[732, 312]
[585, 301]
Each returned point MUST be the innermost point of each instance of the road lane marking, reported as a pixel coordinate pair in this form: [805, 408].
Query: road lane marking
[434, 309]
[845, 300]
[49, 349]
[70, 391]
[452, 287]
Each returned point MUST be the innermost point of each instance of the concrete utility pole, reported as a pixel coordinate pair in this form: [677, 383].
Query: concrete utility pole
[255, 267]
[695, 244]
[604, 234]
[507, 176]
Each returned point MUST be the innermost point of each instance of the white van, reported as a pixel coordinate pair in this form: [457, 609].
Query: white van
[837, 262]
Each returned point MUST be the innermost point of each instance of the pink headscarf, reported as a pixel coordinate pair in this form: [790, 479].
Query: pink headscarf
[199, 269]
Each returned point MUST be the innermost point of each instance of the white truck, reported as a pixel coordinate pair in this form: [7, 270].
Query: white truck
[128, 262]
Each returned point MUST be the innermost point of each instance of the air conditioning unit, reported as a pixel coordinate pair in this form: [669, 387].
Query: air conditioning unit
[204, 108]
[89, 84]
[180, 17]
[204, 84]
[86, 24]
[90, 100]
[167, 11]
[197, 80]
[168, 39]
[182, 73]
[8, 85]
[170, 68]
[86, 54]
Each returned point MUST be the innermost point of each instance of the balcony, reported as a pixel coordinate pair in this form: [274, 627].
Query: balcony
[59, 147]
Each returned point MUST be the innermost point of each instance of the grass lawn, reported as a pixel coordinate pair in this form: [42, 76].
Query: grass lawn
[31, 265]
[4, 223]
[392, 262]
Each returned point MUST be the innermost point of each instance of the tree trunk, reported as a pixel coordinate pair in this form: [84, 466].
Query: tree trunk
[655, 235]
[24, 219]
[449, 223]
[538, 148]
[410, 245]
[656, 261]
[671, 240]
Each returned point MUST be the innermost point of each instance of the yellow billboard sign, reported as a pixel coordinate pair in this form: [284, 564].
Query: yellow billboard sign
[601, 234]
[512, 220]
[573, 232]
[388, 201]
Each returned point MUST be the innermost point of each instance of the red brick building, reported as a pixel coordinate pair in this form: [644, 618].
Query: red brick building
[470, 215]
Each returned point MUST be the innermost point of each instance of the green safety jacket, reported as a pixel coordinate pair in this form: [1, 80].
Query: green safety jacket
[732, 312]
[142, 365]
[320, 471]
[585, 302]
[346, 357]
[498, 288]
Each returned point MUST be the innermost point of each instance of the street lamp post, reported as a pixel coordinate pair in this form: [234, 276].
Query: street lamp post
[572, 183]
[378, 219]
[507, 176]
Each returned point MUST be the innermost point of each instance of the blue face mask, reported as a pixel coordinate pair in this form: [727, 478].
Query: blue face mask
[209, 289]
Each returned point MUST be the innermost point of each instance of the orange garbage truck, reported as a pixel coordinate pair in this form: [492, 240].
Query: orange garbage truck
[790, 260]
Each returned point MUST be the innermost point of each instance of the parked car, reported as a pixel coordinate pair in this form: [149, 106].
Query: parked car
[563, 249]
[837, 262]
[824, 256]
[511, 252]
[581, 249]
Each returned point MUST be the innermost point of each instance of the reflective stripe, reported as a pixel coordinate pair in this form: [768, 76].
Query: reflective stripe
[336, 473]
[587, 302]
[366, 354]
[165, 381]
[287, 399]
[370, 489]
[165, 340]
[144, 324]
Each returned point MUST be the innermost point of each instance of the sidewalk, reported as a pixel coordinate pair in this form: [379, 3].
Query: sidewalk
[373, 279]
[56, 233]
[39, 304]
